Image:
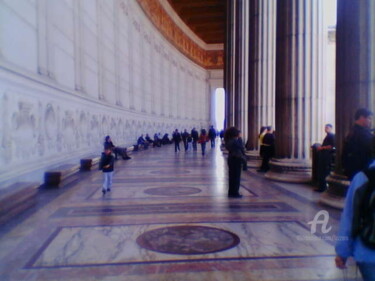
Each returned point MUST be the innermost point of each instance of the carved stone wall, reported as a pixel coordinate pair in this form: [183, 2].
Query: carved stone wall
[91, 69]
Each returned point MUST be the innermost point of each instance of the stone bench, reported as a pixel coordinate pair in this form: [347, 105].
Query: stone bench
[87, 163]
[16, 198]
[138, 147]
[59, 175]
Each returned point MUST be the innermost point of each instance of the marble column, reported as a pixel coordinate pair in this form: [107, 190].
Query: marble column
[298, 64]
[267, 56]
[78, 50]
[253, 113]
[237, 66]
[43, 39]
[100, 51]
[245, 70]
[117, 34]
[261, 111]
[355, 81]
[229, 57]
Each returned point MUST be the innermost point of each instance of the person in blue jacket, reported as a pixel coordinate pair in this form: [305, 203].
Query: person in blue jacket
[349, 246]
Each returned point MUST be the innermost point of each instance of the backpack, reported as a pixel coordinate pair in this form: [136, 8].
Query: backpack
[364, 210]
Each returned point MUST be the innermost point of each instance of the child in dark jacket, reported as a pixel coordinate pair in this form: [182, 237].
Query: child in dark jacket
[107, 162]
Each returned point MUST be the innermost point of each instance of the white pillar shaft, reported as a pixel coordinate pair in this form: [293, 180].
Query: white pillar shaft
[298, 83]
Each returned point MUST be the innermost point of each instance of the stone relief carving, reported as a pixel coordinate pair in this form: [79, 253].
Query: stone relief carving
[69, 132]
[83, 129]
[40, 140]
[24, 130]
[6, 143]
[94, 132]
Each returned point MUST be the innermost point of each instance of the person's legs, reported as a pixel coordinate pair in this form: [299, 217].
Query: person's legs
[237, 176]
[110, 176]
[234, 167]
[116, 152]
[230, 177]
[203, 148]
[324, 159]
[266, 159]
[105, 183]
[194, 145]
[367, 270]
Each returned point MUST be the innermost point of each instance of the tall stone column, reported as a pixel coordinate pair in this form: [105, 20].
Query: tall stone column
[355, 80]
[78, 48]
[261, 74]
[267, 56]
[253, 113]
[99, 41]
[245, 70]
[237, 65]
[229, 70]
[298, 63]
[43, 39]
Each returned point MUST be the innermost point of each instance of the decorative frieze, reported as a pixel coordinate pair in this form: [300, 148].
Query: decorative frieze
[209, 59]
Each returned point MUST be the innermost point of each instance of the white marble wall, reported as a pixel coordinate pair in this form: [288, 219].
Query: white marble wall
[73, 71]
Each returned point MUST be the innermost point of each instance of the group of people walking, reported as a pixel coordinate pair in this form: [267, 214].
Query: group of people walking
[190, 140]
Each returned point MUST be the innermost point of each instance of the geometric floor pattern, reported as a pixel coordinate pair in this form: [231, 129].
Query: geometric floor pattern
[168, 218]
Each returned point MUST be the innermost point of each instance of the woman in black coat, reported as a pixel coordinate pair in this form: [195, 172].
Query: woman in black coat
[235, 160]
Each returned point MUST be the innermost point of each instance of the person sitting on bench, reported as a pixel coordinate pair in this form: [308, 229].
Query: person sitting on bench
[157, 140]
[166, 139]
[116, 150]
[148, 139]
[142, 142]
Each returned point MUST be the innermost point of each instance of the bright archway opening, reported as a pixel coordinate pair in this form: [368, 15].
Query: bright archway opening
[219, 108]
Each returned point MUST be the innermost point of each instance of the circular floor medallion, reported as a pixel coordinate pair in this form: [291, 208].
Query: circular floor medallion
[166, 171]
[188, 240]
[172, 191]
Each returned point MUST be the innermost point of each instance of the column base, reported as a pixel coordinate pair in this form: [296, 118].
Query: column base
[253, 159]
[337, 188]
[290, 170]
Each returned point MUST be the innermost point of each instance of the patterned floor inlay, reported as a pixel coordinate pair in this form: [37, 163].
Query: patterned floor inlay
[188, 240]
[169, 208]
[172, 191]
[168, 218]
[103, 245]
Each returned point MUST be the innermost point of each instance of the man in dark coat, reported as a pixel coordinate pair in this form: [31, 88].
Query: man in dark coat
[356, 154]
[195, 136]
[176, 138]
[212, 136]
[184, 136]
[325, 158]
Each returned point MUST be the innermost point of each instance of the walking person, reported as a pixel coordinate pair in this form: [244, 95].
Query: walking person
[107, 163]
[212, 135]
[195, 136]
[184, 136]
[177, 139]
[203, 138]
[357, 225]
[235, 161]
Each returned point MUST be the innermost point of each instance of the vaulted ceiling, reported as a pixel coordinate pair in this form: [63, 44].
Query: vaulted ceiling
[205, 17]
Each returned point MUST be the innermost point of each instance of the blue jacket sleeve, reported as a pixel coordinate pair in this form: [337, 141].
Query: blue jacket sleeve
[344, 244]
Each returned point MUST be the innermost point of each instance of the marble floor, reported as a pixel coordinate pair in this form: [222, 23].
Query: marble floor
[167, 218]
